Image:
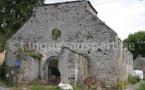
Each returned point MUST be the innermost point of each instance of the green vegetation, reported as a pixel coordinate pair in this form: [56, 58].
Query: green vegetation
[136, 43]
[38, 87]
[35, 55]
[35, 87]
[121, 86]
[42, 87]
[133, 79]
[78, 88]
[2, 45]
[56, 33]
[141, 86]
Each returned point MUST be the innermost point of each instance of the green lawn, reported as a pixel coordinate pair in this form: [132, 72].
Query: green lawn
[141, 85]
[38, 87]
[35, 87]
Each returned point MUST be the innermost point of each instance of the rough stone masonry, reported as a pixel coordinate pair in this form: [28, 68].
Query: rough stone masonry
[139, 62]
[75, 44]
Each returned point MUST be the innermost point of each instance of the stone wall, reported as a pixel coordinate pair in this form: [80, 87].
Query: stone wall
[139, 64]
[29, 69]
[125, 62]
[73, 67]
[26, 71]
[78, 23]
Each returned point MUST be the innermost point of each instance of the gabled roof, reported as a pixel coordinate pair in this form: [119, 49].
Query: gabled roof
[87, 2]
[67, 2]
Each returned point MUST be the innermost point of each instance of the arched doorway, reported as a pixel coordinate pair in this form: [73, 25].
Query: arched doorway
[52, 73]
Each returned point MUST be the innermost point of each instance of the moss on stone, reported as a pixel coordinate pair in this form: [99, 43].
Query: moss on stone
[35, 55]
[56, 33]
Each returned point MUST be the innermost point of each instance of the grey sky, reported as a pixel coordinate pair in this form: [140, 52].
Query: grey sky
[123, 16]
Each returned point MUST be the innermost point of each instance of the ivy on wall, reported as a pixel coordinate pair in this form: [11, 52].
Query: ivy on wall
[35, 55]
[56, 33]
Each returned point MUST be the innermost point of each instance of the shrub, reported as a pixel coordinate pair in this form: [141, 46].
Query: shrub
[35, 55]
[141, 86]
[2, 46]
[137, 78]
[133, 79]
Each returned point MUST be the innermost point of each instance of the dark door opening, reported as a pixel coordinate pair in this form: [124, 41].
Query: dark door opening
[53, 72]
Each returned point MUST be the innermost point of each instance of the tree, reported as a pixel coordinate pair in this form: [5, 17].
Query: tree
[13, 13]
[137, 43]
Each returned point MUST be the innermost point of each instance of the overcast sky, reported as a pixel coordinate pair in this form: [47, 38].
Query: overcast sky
[123, 16]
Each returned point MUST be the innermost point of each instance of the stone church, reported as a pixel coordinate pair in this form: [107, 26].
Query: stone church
[74, 44]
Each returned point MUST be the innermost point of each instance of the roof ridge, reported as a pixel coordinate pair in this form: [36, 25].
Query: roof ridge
[65, 2]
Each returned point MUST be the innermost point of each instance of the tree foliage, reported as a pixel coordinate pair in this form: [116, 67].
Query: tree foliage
[13, 13]
[137, 40]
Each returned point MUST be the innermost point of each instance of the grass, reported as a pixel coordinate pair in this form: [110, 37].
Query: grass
[133, 79]
[121, 86]
[141, 86]
[35, 87]
[38, 87]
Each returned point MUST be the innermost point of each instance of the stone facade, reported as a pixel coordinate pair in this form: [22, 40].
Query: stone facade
[28, 69]
[126, 63]
[139, 64]
[97, 52]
